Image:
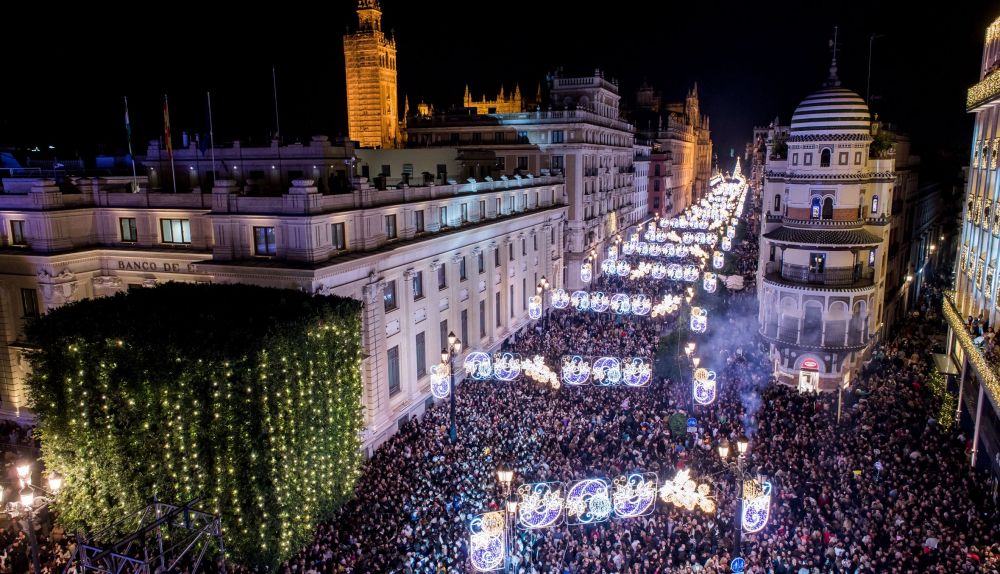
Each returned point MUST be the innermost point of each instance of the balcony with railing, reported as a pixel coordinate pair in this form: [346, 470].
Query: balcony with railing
[859, 276]
[986, 367]
[838, 334]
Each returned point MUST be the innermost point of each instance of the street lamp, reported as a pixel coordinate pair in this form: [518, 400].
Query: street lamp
[27, 500]
[511, 507]
[540, 289]
[505, 476]
[742, 443]
[447, 356]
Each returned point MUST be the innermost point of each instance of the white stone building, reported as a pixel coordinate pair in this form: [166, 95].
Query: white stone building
[824, 240]
[424, 261]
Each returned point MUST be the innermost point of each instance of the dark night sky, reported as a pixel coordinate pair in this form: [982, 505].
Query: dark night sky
[752, 61]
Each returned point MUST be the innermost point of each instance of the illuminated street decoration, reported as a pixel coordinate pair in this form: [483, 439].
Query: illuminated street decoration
[575, 370]
[620, 304]
[623, 268]
[659, 271]
[560, 299]
[699, 319]
[607, 371]
[684, 492]
[704, 386]
[655, 249]
[718, 260]
[538, 371]
[608, 266]
[506, 366]
[479, 365]
[535, 307]
[629, 247]
[731, 232]
[613, 252]
[636, 372]
[727, 244]
[675, 271]
[541, 504]
[756, 505]
[588, 501]
[599, 302]
[488, 541]
[708, 283]
[691, 273]
[440, 381]
[669, 304]
[641, 304]
[580, 300]
[687, 238]
[586, 272]
[633, 495]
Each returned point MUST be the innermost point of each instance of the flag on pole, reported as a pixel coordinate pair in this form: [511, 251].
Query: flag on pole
[128, 132]
[166, 129]
[128, 126]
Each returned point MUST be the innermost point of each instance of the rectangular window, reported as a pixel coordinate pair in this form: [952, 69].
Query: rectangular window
[510, 204]
[442, 276]
[795, 159]
[498, 208]
[482, 209]
[418, 285]
[482, 319]
[534, 241]
[808, 159]
[385, 170]
[842, 158]
[338, 237]
[393, 357]
[817, 262]
[552, 235]
[465, 326]
[857, 158]
[176, 230]
[510, 302]
[871, 258]
[501, 161]
[481, 261]
[390, 226]
[522, 162]
[558, 136]
[418, 220]
[407, 169]
[510, 251]
[389, 297]
[443, 215]
[524, 246]
[990, 274]
[496, 302]
[557, 162]
[444, 334]
[127, 226]
[979, 272]
[772, 254]
[524, 293]
[421, 350]
[496, 257]
[263, 241]
[17, 233]
[465, 213]
[524, 201]
[29, 303]
[462, 275]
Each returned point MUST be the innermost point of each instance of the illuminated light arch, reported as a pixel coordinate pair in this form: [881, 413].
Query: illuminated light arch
[607, 371]
[580, 300]
[560, 299]
[620, 304]
[479, 365]
[704, 386]
[599, 302]
[575, 370]
[541, 504]
[588, 501]
[641, 304]
[756, 505]
[440, 381]
[488, 541]
[633, 495]
[636, 372]
[506, 366]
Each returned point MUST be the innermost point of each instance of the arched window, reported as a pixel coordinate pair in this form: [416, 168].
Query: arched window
[656, 185]
[874, 205]
[824, 158]
[777, 204]
[814, 209]
[828, 208]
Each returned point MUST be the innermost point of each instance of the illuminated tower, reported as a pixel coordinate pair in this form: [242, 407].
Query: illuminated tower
[370, 63]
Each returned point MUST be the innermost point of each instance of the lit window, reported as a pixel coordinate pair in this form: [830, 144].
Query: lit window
[263, 241]
[176, 230]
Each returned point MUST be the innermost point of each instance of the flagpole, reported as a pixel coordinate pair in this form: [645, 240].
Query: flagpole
[211, 135]
[170, 145]
[128, 131]
[277, 120]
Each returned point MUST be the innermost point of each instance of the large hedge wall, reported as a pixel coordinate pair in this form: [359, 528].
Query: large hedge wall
[247, 396]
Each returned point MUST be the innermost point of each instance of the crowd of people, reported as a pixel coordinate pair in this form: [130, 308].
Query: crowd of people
[884, 489]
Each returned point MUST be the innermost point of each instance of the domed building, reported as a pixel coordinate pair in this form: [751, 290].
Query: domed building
[821, 277]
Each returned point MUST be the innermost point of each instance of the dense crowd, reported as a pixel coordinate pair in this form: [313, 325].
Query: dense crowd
[885, 489]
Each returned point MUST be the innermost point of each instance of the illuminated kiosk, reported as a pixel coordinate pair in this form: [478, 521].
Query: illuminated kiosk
[808, 375]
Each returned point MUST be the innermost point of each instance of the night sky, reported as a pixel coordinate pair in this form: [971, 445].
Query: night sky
[66, 72]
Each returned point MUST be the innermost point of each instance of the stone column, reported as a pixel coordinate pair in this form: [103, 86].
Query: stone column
[374, 365]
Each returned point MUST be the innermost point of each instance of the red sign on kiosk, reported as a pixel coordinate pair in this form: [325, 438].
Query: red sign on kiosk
[810, 365]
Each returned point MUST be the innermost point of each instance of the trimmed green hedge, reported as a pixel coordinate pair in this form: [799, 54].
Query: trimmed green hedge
[247, 396]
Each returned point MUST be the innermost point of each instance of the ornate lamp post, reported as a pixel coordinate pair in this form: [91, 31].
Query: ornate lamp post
[540, 289]
[447, 356]
[28, 502]
[742, 443]
[505, 476]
